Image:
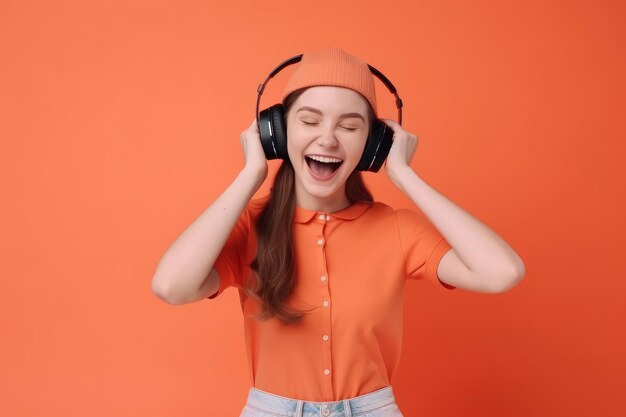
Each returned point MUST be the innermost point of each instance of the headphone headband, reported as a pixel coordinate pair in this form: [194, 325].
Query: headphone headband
[296, 58]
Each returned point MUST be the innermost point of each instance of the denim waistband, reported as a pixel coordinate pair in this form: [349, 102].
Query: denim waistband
[291, 407]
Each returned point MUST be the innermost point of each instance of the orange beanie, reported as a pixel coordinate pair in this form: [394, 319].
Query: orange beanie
[333, 67]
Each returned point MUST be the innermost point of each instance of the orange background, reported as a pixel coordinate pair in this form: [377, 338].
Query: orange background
[120, 123]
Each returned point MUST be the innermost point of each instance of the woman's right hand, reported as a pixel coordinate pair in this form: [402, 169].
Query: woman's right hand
[256, 163]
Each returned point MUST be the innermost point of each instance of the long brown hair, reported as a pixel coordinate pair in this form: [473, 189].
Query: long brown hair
[275, 267]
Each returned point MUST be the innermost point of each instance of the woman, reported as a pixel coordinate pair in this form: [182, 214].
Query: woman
[319, 266]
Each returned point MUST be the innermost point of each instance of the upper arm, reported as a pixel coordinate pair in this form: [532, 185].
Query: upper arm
[231, 268]
[453, 271]
[210, 286]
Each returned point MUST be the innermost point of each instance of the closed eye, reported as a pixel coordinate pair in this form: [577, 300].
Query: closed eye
[351, 129]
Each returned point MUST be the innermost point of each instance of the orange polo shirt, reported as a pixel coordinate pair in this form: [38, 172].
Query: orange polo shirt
[351, 269]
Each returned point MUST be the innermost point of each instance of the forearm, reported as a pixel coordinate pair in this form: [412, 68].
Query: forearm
[185, 265]
[479, 247]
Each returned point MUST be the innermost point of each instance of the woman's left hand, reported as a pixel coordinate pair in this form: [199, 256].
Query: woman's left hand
[401, 152]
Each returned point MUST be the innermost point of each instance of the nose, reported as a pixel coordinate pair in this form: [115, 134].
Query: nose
[327, 138]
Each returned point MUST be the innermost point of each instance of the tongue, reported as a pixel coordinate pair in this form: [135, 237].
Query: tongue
[321, 169]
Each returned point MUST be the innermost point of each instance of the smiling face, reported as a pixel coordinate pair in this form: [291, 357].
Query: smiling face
[327, 128]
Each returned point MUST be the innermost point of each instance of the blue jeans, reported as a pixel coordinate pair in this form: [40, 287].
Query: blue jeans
[379, 403]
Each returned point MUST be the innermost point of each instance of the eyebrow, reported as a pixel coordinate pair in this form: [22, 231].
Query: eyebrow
[345, 115]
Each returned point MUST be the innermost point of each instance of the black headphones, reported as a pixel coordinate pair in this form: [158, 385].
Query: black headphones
[273, 131]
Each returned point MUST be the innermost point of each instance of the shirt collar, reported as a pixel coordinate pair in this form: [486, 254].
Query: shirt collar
[354, 211]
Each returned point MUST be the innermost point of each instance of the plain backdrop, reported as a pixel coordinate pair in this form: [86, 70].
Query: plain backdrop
[120, 123]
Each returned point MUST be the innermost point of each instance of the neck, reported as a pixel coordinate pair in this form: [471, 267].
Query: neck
[329, 204]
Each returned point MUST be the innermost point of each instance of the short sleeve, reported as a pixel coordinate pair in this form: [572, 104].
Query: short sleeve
[423, 247]
[231, 262]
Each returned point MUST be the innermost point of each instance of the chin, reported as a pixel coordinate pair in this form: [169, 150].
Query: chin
[312, 190]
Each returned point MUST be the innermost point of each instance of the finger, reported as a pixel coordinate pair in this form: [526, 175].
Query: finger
[253, 125]
[395, 126]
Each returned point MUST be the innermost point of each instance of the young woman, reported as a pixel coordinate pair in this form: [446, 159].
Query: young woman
[320, 267]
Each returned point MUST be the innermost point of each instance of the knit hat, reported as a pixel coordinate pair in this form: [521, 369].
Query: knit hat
[333, 67]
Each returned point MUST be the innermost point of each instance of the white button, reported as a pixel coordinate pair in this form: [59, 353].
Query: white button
[325, 410]
[325, 337]
[320, 242]
[326, 371]
[321, 217]
[327, 218]
[323, 277]
[325, 303]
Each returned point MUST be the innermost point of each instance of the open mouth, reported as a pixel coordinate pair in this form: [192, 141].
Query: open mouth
[323, 166]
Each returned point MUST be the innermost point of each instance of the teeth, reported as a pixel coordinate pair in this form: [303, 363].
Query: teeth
[325, 159]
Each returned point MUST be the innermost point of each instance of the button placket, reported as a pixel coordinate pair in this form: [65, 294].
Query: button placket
[326, 330]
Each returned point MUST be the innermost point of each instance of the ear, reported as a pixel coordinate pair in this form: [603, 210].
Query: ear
[377, 147]
[280, 131]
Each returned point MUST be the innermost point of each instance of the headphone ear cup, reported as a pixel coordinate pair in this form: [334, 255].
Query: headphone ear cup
[280, 131]
[377, 147]
[266, 133]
